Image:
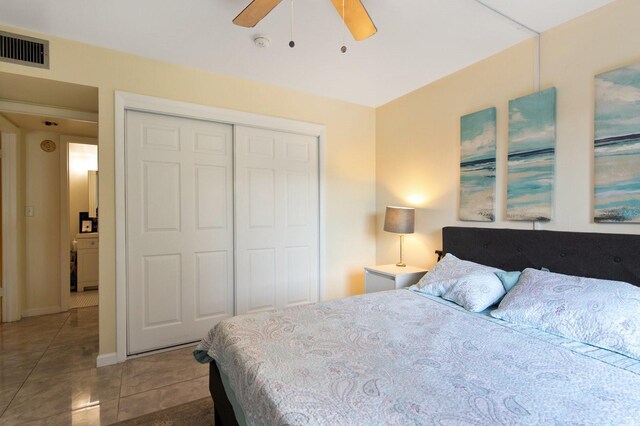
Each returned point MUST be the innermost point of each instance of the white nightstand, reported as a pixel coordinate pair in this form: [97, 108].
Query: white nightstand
[389, 277]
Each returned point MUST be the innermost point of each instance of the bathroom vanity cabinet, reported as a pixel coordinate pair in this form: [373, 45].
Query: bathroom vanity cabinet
[87, 248]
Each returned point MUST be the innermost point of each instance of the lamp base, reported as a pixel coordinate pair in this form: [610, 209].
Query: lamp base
[401, 264]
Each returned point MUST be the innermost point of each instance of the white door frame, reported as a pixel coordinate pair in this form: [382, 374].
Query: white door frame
[65, 244]
[65, 256]
[11, 309]
[130, 101]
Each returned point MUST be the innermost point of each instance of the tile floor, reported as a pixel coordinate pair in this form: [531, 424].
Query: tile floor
[83, 299]
[48, 375]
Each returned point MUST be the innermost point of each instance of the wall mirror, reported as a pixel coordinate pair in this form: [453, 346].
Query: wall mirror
[92, 179]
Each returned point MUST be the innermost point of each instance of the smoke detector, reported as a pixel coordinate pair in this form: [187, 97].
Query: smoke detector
[262, 41]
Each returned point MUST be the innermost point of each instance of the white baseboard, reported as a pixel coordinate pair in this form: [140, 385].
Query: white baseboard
[41, 311]
[107, 359]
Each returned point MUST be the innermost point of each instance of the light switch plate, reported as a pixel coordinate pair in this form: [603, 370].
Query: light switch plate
[28, 211]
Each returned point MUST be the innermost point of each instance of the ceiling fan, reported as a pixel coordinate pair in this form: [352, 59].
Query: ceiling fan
[355, 16]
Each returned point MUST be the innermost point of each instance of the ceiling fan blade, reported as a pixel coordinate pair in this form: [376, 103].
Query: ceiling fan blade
[356, 18]
[254, 13]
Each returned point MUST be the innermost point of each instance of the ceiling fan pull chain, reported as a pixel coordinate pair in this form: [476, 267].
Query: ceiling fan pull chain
[343, 49]
[292, 43]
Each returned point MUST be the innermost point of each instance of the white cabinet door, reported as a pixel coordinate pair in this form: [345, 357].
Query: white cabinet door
[179, 229]
[277, 219]
[88, 263]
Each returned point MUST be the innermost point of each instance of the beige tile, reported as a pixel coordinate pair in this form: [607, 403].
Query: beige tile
[155, 371]
[78, 329]
[15, 366]
[30, 334]
[66, 359]
[78, 318]
[34, 329]
[6, 395]
[44, 322]
[23, 339]
[74, 337]
[161, 377]
[104, 413]
[48, 375]
[26, 345]
[165, 397]
[59, 393]
[80, 323]
[179, 358]
[86, 312]
[75, 321]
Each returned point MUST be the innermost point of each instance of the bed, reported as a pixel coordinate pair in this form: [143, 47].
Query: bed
[411, 357]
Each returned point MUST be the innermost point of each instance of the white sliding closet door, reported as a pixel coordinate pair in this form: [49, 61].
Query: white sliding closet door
[179, 213]
[277, 219]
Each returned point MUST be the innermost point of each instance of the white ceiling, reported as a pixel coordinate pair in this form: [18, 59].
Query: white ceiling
[418, 41]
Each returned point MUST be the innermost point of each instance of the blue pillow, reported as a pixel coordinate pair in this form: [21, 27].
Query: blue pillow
[509, 279]
[597, 312]
[476, 292]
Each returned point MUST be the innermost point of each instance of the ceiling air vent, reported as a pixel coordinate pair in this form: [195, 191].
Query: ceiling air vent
[24, 50]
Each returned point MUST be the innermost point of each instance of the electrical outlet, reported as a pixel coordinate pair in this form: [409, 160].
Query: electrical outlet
[28, 211]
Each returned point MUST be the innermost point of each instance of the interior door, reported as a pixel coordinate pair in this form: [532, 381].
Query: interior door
[277, 219]
[179, 229]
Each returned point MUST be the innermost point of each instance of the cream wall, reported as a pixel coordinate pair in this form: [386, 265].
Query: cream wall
[417, 157]
[39, 175]
[40, 180]
[42, 230]
[350, 150]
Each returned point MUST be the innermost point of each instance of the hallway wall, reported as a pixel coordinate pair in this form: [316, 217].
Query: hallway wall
[42, 230]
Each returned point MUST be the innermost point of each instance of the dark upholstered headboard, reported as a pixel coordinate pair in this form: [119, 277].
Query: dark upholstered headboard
[606, 256]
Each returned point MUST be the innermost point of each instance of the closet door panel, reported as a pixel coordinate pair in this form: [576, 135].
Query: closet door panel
[212, 289]
[261, 198]
[179, 232]
[212, 187]
[261, 280]
[277, 217]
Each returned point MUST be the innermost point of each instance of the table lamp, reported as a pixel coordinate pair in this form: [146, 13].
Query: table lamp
[399, 220]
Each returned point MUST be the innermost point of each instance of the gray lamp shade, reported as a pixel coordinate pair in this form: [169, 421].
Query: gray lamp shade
[400, 220]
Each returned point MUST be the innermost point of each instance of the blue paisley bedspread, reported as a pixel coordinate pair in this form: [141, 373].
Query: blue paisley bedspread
[399, 358]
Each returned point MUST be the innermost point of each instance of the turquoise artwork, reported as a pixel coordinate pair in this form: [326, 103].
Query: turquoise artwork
[531, 159]
[617, 146]
[478, 166]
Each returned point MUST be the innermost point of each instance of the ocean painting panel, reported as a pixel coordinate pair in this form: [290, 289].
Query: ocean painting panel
[531, 159]
[478, 166]
[617, 146]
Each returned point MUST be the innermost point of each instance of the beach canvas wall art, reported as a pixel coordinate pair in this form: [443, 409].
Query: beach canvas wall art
[617, 146]
[531, 159]
[478, 166]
